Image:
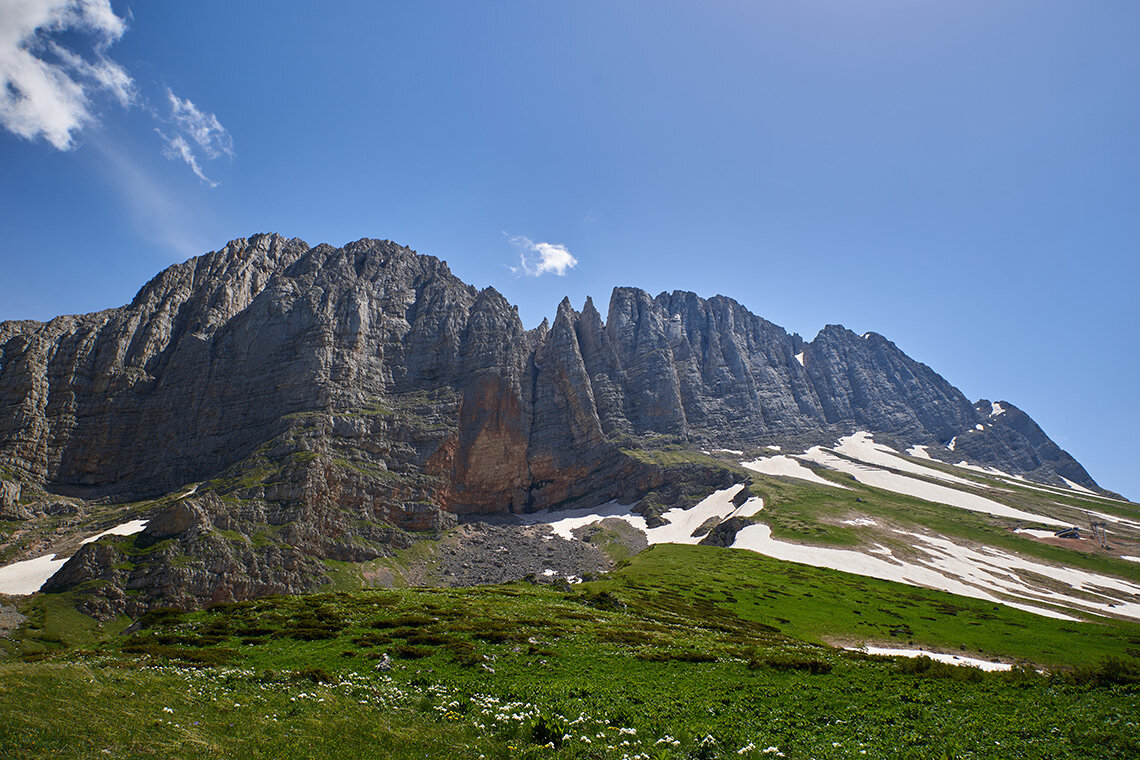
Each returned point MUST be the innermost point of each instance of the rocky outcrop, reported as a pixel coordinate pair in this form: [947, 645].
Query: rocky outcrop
[10, 507]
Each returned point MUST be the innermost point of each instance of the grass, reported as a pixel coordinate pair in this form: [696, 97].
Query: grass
[683, 652]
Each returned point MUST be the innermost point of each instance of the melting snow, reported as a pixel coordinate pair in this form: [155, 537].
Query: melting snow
[682, 522]
[1077, 486]
[734, 452]
[1130, 559]
[787, 467]
[860, 521]
[996, 409]
[918, 452]
[939, 494]
[126, 529]
[758, 538]
[678, 530]
[953, 659]
[800, 358]
[1036, 533]
[772, 448]
[28, 576]
[860, 446]
[979, 427]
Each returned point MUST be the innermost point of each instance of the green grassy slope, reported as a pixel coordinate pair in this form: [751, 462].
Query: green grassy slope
[683, 652]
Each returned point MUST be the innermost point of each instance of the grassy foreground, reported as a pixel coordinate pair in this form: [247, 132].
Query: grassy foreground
[684, 652]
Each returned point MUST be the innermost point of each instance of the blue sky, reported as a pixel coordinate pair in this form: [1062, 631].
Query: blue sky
[962, 177]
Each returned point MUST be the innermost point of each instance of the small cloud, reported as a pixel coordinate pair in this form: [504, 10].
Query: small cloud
[45, 88]
[203, 129]
[540, 258]
[177, 148]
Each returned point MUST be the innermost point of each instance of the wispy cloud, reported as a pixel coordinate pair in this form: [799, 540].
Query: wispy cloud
[541, 258]
[49, 91]
[45, 88]
[193, 125]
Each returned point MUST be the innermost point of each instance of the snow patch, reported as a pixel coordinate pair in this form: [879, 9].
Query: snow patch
[734, 452]
[921, 489]
[860, 521]
[800, 358]
[1077, 486]
[996, 409]
[1036, 533]
[952, 659]
[29, 576]
[885, 566]
[979, 426]
[786, 466]
[678, 530]
[126, 529]
[1130, 559]
[860, 446]
[919, 452]
[772, 448]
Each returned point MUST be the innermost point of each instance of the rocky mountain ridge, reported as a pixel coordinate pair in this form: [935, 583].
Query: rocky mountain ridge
[326, 400]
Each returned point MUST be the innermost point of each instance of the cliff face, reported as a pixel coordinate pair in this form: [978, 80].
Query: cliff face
[326, 400]
[216, 355]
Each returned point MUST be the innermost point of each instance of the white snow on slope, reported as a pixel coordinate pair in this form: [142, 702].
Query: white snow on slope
[996, 409]
[734, 452]
[1130, 559]
[29, 576]
[885, 566]
[678, 530]
[992, 472]
[860, 446]
[918, 452]
[1036, 533]
[991, 568]
[1078, 486]
[682, 522]
[126, 529]
[889, 481]
[565, 521]
[787, 467]
[952, 659]
[800, 358]
[979, 572]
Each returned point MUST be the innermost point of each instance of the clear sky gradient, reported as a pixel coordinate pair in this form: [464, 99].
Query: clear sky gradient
[962, 177]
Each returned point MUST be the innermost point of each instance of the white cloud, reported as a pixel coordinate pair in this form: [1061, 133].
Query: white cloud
[48, 90]
[202, 128]
[193, 125]
[45, 88]
[540, 258]
[177, 148]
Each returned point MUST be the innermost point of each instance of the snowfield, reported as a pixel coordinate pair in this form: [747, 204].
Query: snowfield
[921, 489]
[917, 557]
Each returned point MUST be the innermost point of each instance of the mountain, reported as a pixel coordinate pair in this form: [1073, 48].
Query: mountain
[321, 402]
